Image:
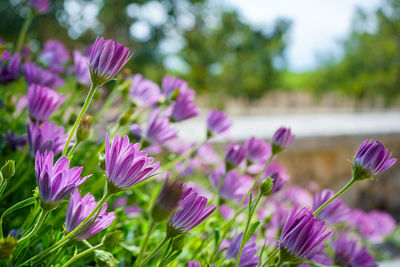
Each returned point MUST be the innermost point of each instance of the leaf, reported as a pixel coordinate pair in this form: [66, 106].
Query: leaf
[173, 257]
[19, 205]
[251, 231]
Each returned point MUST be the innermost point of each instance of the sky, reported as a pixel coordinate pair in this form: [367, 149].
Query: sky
[318, 26]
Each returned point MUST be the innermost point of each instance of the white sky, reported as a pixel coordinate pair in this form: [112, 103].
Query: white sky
[317, 25]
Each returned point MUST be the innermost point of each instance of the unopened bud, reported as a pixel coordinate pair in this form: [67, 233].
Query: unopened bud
[266, 186]
[167, 201]
[8, 169]
[126, 117]
[7, 247]
[105, 259]
[110, 240]
[175, 94]
[84, 128]
[178, 243]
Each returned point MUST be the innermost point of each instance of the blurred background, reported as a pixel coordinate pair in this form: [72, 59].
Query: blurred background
[328, 69]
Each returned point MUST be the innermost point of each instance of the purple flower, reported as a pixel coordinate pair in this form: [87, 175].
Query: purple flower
[81, 68]
[217, 122]
[335, 212]
[303, 234]
[9, 70]
[371, 159]
[298, 194]
[278, 175]
[184, 107]
[281, 139]
[13, 141]
[320, 257]
[374, 225]
[42, 101]
[167, 200]
[234, 186]
[55, 182]
[258, 151]
[347, 254]
[35, 74]
[45, 137]
[170, 84]
[107, 58]
[79, 208]
[126, 165]
[40, 6]
[192, 210]
[193, 264]
[159, 130]
[248, 258]
[144, 93]
[235, 155]
[55, 55]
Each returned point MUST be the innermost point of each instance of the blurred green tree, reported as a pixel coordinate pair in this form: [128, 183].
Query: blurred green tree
[206, 43]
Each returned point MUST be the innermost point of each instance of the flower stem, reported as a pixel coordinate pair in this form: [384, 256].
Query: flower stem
[37, 226]
[146, 240]
[271, 256]
[85, 106]
[72, 150]
[82, 254]
[22, 34]
[340, 192]
[154, 252]
[73, 232]
[252, 210]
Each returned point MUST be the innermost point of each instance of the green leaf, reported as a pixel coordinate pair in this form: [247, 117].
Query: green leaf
[251, 231]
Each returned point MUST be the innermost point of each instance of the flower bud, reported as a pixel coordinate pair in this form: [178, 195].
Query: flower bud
[167, 201]
[266, 186]
[110, 240]
[8, 169]
[126, 117]
[178, 243]
[7, 247]
[281, 139]
[175, 94]
[84, 128]
[105, 259]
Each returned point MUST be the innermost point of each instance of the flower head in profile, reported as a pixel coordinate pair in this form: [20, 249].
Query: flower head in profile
[278, 175]
[258, 151]
[185, 107]
[217, 122]
[303, 234]
[234, 186]
[107, 58]
[40, 6]
[281, 139]
[45, 137]
[249, 252]
[9, 68]
[42, 101]
[335, 212]
[159, 130]
[346, 253]
[126, 165]
[235, 155]
[371, 159]
[55, 55]
[37, 75]
[192, 211]
[79, 208]
[143, 92]
[81, 68]
[167, 201]
[171, 84]
[55, 181]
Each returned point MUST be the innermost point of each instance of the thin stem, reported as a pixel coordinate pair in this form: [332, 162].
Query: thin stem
[154, 252]
[82, 254]
[73, 232]
[59, 251]
[340, 192]
[37, 226]
[252, 209]
[23, 32]
[81, 113]
[146, 240]
[72, 150]
[271, 256]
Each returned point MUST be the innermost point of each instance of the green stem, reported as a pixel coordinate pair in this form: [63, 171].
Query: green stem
[82, 254]
[23, 32]
[37, 226]
[73, 232]
[144, 245]
[85, 106]
[252, 209]
[72, 150]
[271, 256]
[154, 252]
[340, 192]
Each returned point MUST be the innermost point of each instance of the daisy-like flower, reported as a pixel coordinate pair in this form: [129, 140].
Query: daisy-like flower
[42, 101]
[248, 257]
[281, 139]
[37, 75]
[81, 68]
[143, 92]
[217, 122]
[55, 55]
[335, 212]
[185, 107]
